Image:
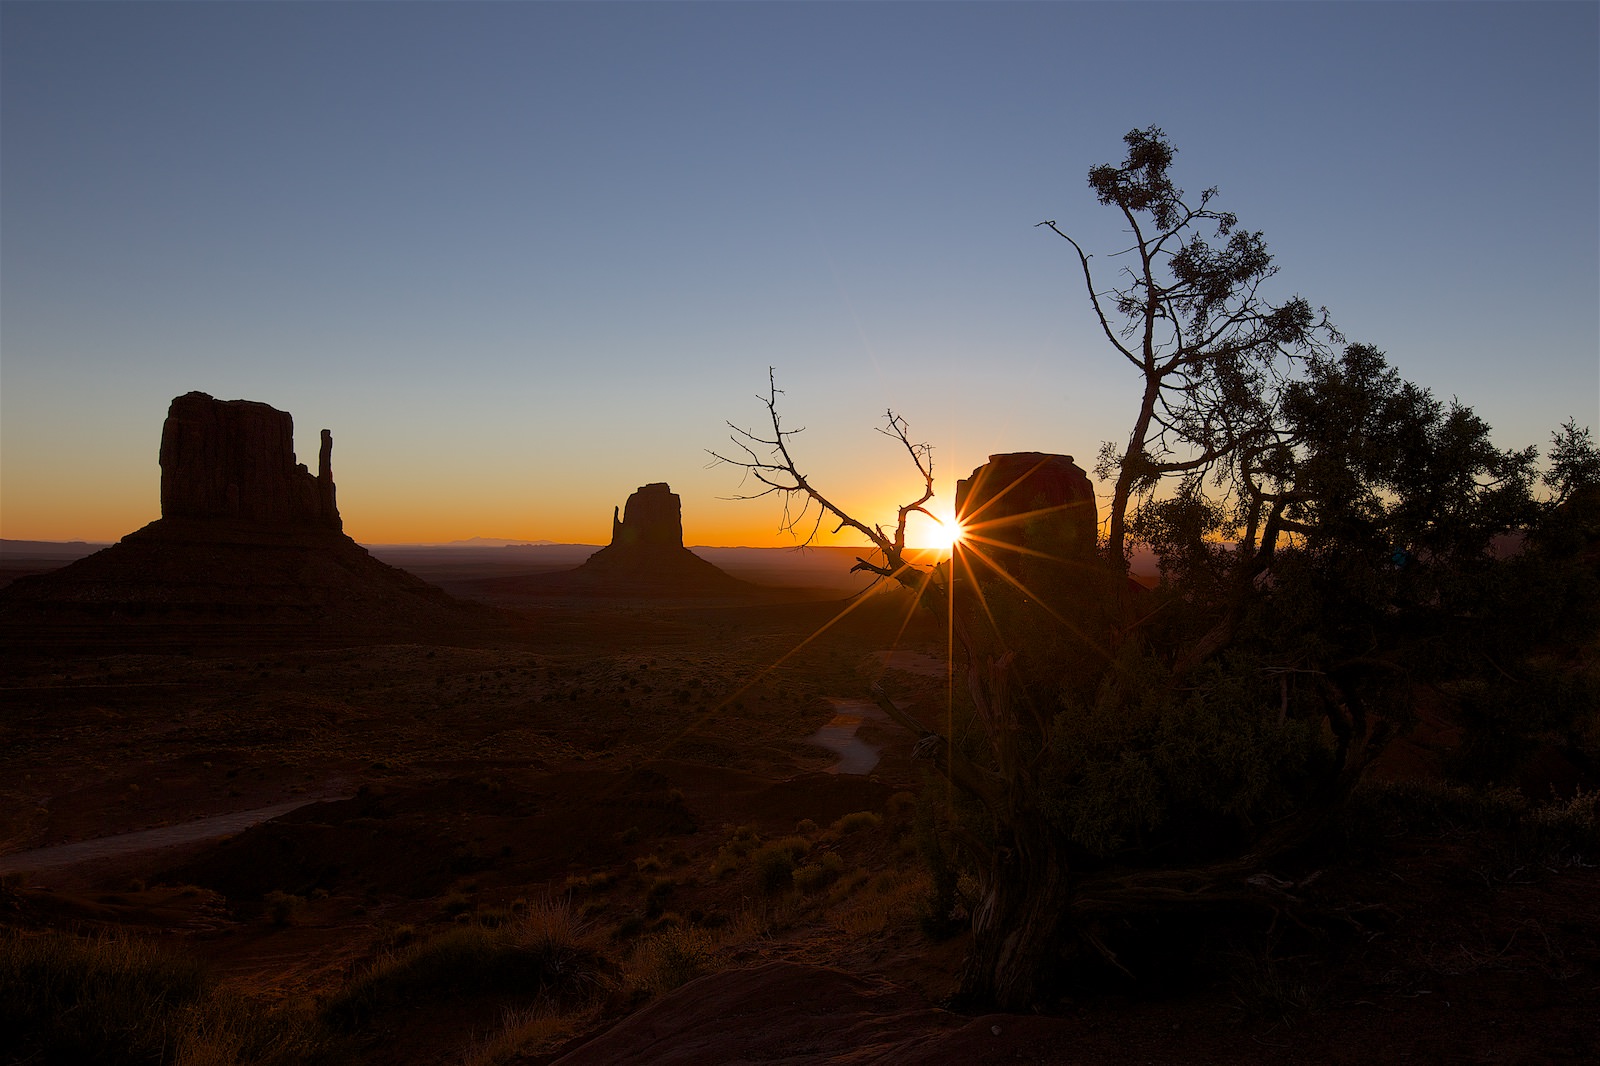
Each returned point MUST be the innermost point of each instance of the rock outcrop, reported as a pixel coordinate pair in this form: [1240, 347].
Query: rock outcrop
[1029, 556]
[249, 547]
[653, 517]
[646, 553]
[234, 460]
[1028, 505]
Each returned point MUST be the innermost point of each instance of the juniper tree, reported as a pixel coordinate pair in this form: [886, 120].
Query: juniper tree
[1320, 521]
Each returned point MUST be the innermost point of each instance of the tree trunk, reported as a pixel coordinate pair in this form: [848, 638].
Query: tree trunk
[1019, 925]
[1121, 494]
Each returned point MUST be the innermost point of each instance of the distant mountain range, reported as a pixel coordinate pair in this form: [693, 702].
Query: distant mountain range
[49, 549]
[470, 542]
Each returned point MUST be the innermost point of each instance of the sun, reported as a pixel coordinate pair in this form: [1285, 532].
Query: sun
[941, 535]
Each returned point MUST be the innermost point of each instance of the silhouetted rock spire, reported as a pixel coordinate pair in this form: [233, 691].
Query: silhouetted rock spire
[646, 550]
[653, 517]
[234, 460]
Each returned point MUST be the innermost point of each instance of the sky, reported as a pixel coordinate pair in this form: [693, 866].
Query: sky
[523, 258]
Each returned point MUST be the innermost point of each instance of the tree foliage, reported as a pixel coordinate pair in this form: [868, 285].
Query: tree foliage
[1189, 311]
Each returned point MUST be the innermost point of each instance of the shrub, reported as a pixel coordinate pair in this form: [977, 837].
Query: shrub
[656, 895]
[854, 823]
[1505, 719]
[594, 882]
[818, 875]
[545, 953]
[455, 903]
[66, 999]
[745, 839]
[670, 958]
[774, 865]
[901, 806]
[1564, 830]
[282, 907]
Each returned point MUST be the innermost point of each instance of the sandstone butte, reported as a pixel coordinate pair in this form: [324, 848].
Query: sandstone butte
[248, 537]
[646, 552]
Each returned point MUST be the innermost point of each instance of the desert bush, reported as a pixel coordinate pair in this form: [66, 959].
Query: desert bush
[1176, 777]
[546, 953]
[774, 866]
[798, 847]
[816, 876]
[397, 936]
[495, 917]
[1563, 831]
[282, 907]
[670, 958]
[744, 840]
[1435, 807]
[597, 881]
[110, 1001]
[857, 821]
[455, 903]
[940, 917]
[656, 895]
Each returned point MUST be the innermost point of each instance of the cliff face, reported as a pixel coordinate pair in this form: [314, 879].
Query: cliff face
[234, 460]
[1022, 506]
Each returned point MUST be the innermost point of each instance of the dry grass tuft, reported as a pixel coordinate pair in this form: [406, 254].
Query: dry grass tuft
[112, 1000]
[665, 960]
[877, 903]
[546, 952]
[533, 1031]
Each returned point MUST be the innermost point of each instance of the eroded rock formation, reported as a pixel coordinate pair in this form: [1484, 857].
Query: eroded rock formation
[653, 517]
[647, 553]
[234, 460]
[1033, 504]
[249, 546]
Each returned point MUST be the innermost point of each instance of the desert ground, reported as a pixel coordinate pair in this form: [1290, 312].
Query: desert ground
[692, 804]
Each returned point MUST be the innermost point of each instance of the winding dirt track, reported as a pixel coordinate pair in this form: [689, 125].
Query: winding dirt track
[148, 839]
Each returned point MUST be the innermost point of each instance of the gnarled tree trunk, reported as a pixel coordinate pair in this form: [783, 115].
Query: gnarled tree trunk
[1022, 921]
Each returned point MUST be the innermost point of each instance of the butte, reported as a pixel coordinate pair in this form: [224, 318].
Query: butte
[249, 547]
[646, 558]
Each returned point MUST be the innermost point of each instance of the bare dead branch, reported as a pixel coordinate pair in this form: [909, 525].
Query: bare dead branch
[769, 461]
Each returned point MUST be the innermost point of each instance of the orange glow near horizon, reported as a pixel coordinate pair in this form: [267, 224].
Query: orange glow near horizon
[942, 536]
[377, 510]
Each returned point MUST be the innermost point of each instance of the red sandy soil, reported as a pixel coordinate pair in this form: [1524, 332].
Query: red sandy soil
[606, 754]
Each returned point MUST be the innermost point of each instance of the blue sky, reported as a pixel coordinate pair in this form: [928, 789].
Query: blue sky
[523, 258]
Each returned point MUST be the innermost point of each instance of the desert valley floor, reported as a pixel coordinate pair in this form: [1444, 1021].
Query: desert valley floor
[700, 791]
